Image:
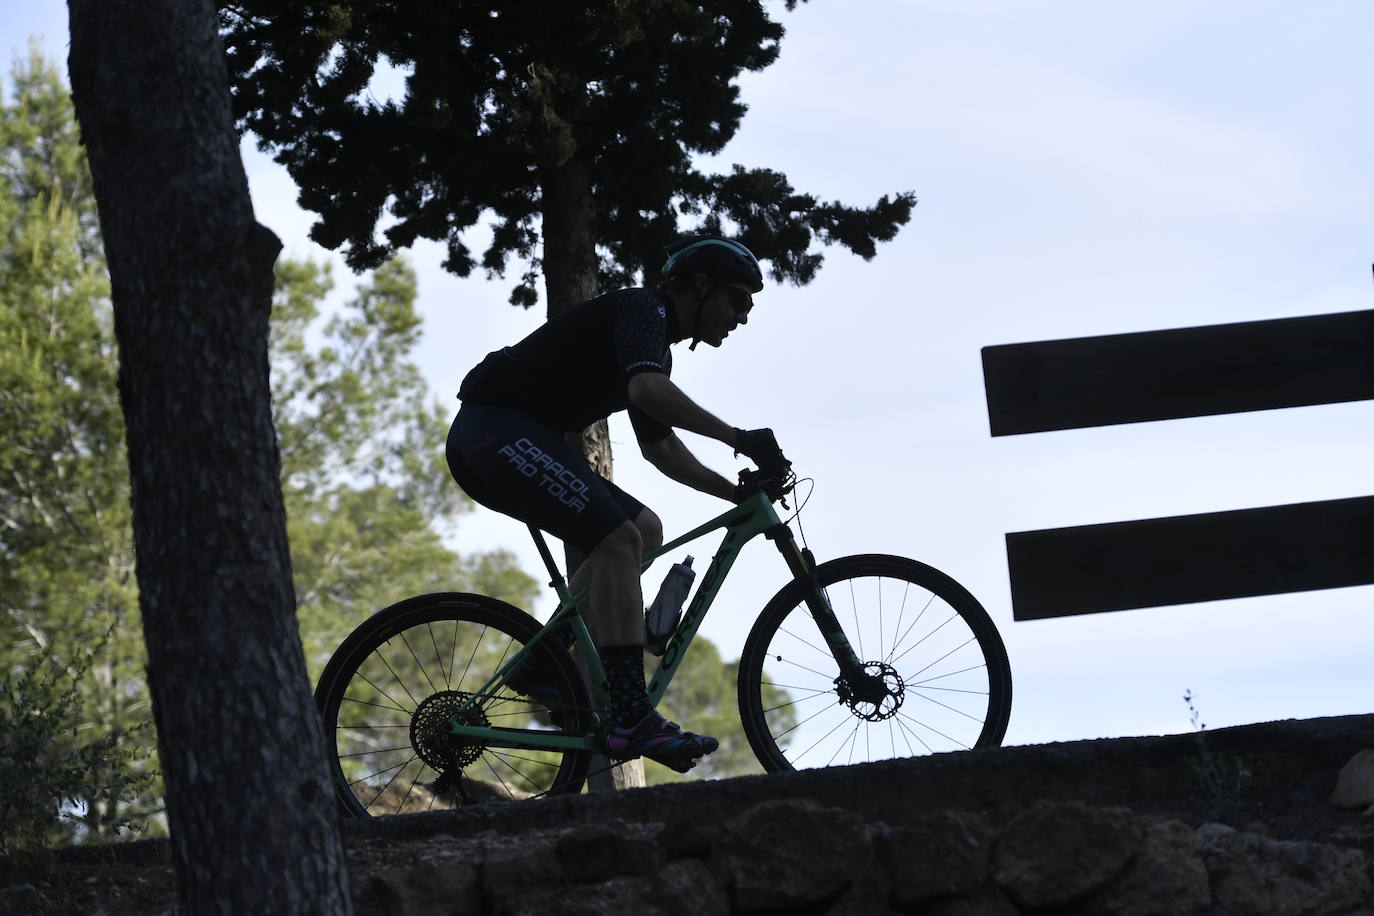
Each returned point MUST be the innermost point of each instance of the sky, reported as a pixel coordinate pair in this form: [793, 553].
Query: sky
[1081, 169]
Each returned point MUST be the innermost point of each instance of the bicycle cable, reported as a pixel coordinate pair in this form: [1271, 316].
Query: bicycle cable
[801, 504]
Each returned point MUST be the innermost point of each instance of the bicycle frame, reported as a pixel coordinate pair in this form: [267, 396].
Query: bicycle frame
[742, 524]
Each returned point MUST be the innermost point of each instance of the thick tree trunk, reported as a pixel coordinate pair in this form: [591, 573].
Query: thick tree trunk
[254, 828]
[570, 276]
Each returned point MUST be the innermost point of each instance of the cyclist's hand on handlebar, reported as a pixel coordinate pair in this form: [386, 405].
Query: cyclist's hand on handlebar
[761, 447]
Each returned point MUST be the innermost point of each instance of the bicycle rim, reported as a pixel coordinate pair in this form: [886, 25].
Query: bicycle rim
[387, 695]
[936, 676]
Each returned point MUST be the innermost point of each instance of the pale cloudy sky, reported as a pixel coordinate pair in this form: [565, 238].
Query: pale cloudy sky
[1082, 168]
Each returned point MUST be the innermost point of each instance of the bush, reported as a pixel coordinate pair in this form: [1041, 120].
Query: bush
[47, 772]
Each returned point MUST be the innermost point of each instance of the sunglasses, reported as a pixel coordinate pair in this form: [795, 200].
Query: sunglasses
[741, 300]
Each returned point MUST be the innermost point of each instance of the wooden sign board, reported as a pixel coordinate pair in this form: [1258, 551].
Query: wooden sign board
[1083, 570]
[1190, 372]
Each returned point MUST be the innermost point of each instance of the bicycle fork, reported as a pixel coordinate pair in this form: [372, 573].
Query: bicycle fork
[802, 565]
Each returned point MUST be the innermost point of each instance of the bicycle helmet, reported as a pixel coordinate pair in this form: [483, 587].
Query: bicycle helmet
[723, 260]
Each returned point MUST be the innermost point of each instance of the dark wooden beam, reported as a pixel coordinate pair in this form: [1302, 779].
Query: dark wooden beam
[1189, 372]
[1060, 572]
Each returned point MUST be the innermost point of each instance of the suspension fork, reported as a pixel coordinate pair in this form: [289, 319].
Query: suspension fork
[803, 568]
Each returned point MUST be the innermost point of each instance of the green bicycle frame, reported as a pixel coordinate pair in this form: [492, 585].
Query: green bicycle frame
[742, 524]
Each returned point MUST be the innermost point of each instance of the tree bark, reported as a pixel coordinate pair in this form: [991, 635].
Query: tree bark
[570, 277]
[254, 828]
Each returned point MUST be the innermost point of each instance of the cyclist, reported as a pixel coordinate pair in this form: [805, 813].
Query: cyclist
[510, 449]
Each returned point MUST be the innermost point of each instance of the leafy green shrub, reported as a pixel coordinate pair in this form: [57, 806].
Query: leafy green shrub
[47, 769]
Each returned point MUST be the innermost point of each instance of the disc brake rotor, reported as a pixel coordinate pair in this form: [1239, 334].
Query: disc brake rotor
[876, 694]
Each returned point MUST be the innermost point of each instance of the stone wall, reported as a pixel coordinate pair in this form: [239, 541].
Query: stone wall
[797, 856]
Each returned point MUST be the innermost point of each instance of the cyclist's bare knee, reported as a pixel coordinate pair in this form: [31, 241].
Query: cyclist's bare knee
[650, 530]
[623, 544]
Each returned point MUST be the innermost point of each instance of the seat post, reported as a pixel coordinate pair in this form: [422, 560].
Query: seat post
[556, 581]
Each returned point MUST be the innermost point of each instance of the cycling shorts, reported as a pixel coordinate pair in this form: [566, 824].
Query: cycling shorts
[508, 461]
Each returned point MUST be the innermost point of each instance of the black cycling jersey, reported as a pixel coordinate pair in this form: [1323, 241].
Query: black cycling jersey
[576, 368]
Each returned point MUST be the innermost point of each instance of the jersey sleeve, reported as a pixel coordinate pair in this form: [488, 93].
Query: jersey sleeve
[646, 428]
[640, 330]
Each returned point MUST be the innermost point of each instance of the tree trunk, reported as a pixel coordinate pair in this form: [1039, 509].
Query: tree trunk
[570, 276]
[254, 827]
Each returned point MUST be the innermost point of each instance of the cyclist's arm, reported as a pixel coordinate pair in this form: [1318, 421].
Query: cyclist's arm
[672, 458]
[657, 395]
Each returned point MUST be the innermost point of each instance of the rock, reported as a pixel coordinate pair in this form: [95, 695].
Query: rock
[1255, 876]
[511, 873]
[688, 888]
[448, 888]
[598, 852]
[1355, 782]
[680, 889]
[987, 901]
[1060, 851]
[1166, 877]
[940, 855]
[780, 854]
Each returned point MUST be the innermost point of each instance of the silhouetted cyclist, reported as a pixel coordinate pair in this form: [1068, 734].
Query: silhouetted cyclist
[509, 448]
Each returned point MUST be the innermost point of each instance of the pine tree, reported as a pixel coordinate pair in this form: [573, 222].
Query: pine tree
[573, 123]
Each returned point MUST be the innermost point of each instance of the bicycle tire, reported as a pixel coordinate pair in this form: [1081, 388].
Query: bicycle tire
[403, 671]
[801, 715]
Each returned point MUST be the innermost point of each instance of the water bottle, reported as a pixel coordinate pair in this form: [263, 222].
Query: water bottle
[661, 617]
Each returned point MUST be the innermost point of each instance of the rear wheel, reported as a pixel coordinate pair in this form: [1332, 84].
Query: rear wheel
[388, 693]
[934, 676]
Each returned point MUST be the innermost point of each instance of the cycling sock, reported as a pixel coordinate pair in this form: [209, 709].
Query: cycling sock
[625, 678]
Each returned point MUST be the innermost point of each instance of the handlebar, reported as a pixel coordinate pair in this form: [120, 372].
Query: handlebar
[776, 482]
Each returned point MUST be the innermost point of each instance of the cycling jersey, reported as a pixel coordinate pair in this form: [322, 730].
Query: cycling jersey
[506, 446]
[576, 368]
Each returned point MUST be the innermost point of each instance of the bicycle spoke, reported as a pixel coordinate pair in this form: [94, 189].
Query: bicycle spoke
[950, 708]
[419, 664]
[374, 752]
[854, 606]
[398, 706]
[943, 657]
[908, 734]
[376, 705]
[949, 674]
[924, 638]
[788, 661]
[825, 653]
[929, 727]
[903, 637]
[397, 678]
[819, 740]
[438, 656]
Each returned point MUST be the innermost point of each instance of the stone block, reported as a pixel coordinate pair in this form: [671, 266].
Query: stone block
[426, 889]
[601, 851]
[1166, 876]
[1355, 782]
[937, 855]
[1058, 852]
[1252, 875]
[789, 853]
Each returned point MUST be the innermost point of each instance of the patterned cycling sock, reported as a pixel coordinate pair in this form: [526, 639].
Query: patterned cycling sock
[625, 677]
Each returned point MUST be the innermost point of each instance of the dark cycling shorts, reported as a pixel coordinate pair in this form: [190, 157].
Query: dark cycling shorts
[508, 461]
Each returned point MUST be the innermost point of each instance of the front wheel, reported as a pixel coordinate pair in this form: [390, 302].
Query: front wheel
[934, 673]
[390, 690]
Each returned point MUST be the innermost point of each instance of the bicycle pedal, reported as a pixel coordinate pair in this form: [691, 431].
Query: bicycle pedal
[685, 766]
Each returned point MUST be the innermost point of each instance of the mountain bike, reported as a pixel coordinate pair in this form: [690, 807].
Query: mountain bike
[862, 658]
